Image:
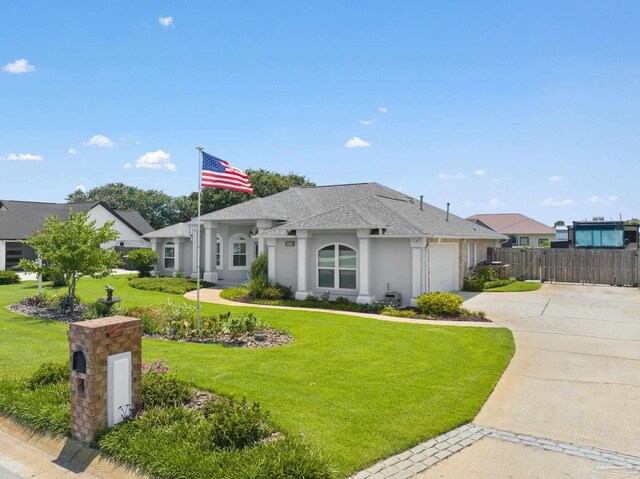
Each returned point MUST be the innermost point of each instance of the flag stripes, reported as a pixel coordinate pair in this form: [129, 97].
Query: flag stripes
[217, 173]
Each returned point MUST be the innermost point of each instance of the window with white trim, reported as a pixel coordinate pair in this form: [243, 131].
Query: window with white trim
[238, 251]
[337, 267]
[169, 256]
[524, 240]
[218, 251]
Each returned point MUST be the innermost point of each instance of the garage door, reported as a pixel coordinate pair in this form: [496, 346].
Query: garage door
[443, 267]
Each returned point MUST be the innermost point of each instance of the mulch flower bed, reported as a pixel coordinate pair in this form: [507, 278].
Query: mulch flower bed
[273, 338]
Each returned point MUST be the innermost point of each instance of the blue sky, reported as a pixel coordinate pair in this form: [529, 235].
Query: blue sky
[530, 107]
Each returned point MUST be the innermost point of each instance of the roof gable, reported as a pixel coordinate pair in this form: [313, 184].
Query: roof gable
[512, 223]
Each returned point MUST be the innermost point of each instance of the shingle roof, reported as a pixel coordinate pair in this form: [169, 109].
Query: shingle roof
[136, 221]
[512, 223]
[362, 205]
[21, 219]
[179, 230]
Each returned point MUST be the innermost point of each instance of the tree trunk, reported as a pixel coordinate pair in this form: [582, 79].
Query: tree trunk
[72, 294]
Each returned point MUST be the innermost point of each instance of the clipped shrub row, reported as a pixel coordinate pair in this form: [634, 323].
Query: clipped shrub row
[167, 285]
[9, 277]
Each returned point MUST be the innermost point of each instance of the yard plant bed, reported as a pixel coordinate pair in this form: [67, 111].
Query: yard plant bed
[338, 383]
[273, 338]
[415, 313]
[168, 285]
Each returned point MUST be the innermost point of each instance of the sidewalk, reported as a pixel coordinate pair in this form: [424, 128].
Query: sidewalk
[24, 454]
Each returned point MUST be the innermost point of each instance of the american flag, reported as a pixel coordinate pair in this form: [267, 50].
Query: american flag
[217, 173]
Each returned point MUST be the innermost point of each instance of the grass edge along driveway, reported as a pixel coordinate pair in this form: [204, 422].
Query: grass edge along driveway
[358, 388]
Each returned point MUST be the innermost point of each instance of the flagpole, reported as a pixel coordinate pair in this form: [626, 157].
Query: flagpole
[199, 148]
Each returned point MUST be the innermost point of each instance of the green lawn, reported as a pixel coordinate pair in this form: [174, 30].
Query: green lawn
[360, 389]
[516, 287]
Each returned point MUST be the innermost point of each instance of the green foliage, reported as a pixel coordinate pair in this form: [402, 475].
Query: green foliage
[9, 277]
[516, 287]
[261, 287]
[260, 267]
[438, 303]
[276, 292]
[236, 425]
[472, 283]
[143, 260]
[496, 283]
[153, 318]
[486, 274]
[164, 390]
[167, 285]
[241, 293]
[632, 222]
[49, 373]
[71, 249]
[176, 443]
[398, 313]
[95, 310]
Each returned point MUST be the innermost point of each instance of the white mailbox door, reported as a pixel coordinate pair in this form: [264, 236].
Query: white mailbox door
[118, 388]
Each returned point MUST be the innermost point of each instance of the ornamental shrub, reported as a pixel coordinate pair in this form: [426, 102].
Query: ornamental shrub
[49, 373]
[236, 425]
[398, 313]
[143, 260]
[499, 282]
[437, 303]
[160, 389]
[9, 277]
[260, 267]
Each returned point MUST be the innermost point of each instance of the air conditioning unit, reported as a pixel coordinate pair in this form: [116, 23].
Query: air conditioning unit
[392, 298]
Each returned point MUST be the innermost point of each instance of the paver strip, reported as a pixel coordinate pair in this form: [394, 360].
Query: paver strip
[424, 455]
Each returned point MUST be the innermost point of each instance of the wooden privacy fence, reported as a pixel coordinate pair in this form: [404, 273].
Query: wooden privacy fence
[596, 266]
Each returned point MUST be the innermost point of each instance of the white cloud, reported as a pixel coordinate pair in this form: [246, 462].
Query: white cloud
[451, 176]
[127, 166]
[166, 22]
[23, 157]
[156, 160]
[493, 203]
[383, 109]
[19, 66]
[100, 141]
[595, 199]
[555, 178]
[494, 180]
[367, 122]
[72, 151]
[553, 202]
[356, 142]
[81, 188]
[480, 172]
[612, 198]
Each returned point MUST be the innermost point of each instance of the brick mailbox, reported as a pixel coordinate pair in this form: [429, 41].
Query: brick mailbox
[105, 357]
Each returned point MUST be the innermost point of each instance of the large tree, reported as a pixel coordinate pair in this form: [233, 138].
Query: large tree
[71, 249]
[158, 208]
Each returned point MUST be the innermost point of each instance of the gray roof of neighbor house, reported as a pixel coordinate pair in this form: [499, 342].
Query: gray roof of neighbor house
[179, 230]
[362, 205]
[21, 219]
[512, 223]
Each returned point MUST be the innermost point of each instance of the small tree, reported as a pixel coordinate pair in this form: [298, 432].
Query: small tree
[71, 249]
[143, 260]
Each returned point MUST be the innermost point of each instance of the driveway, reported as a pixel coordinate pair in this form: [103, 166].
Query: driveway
[571, 393]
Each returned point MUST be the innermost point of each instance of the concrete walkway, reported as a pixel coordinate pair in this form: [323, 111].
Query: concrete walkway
[212, 295]
[568, 405]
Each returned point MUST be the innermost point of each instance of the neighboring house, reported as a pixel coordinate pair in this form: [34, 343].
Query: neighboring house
[358, 241]
[521, 230]
[21, 219]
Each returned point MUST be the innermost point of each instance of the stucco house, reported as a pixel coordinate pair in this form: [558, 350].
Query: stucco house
[521, 230]
[357, 241]
[21, 219]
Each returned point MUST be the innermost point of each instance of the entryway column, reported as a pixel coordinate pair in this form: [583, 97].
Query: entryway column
[210, 234]
[271, 253]
[418, 268]
[3, 256]
[155, 247]
[193, 229]
[303, 237]
[364, 268]
[263, 225]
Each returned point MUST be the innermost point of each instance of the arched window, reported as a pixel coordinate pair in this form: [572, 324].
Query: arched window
[218, 251]
[169, 255]
[337, 267]
[513, 239]
[238, 251]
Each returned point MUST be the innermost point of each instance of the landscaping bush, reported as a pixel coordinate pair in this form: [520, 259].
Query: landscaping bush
[167, 285]
[161, 389]
[241, 293]
[398, 313]
[472, 283]
[9, 277]
[260, 267]
[236, 425]
[437, 303]
[143, 260]
[95, 310]
[153, 318]
[49, 373]
[499, 282]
